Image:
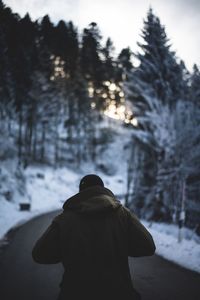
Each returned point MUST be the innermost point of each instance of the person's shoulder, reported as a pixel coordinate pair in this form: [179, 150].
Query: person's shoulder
[124, 211]
[63, 216]
[127, 214]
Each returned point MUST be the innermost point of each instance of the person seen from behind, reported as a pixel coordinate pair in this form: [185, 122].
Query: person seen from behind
[93, 238]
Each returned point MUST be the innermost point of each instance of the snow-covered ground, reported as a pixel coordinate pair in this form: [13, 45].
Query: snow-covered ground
[185, 253]
[46, 188]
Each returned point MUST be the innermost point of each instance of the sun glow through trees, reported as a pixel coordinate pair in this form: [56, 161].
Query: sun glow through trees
[116, 107]
[58, 68]
[111, 94]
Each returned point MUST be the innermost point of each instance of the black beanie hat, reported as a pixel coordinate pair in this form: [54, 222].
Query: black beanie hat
[89, 181]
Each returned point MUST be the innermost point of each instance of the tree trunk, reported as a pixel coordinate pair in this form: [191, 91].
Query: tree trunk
[43, 141]
[20, 137]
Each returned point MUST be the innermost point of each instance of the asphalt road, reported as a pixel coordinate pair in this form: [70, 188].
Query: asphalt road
[22, 279]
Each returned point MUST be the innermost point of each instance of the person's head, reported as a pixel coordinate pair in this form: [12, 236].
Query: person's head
[89, 181]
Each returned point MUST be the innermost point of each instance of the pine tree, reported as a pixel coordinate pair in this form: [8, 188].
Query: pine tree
[18, 70]
[195, 85]
[155, 88]
[108, 61]
[47, 33]
[192, 149]
[124, 59]
[158, 71]
[90, 61]
[6, 88]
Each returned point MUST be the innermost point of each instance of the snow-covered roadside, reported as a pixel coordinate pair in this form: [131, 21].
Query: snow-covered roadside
[48, 188]
[186, 253]
[45, 190]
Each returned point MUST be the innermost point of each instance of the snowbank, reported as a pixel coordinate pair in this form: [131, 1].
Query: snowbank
[186, 253]
[48, 188]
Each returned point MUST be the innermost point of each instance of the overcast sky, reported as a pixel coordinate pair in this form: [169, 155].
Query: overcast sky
[122, 20]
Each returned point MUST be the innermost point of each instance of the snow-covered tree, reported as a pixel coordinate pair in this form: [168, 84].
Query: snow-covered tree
[158, 90]
[158, 72]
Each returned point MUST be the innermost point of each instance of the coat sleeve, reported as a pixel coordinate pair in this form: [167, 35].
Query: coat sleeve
[47, 248]
[140, 241]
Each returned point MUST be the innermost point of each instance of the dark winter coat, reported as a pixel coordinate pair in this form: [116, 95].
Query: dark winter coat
[93, 238]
